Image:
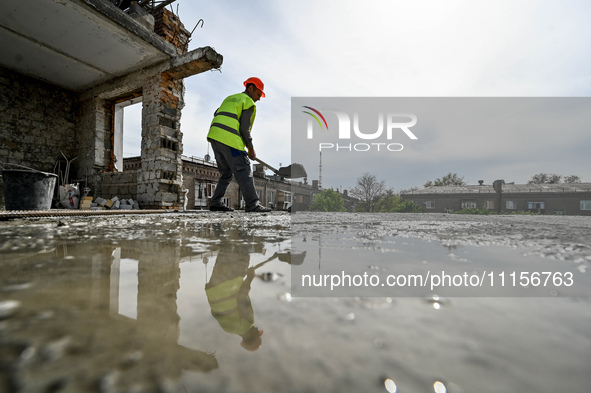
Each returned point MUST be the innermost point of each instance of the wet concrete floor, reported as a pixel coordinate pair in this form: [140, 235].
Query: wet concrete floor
[177, 302]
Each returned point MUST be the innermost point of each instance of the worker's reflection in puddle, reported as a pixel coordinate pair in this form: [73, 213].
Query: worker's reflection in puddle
[228, 290]
[228, 293]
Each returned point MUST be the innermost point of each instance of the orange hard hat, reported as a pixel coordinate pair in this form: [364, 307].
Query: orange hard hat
[257, 82]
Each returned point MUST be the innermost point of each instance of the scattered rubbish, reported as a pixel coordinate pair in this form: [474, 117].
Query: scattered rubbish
[108, 204]
[69, 193]
[86, 203]
[70, 196]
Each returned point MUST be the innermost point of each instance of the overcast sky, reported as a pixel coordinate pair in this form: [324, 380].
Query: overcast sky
[501, 48]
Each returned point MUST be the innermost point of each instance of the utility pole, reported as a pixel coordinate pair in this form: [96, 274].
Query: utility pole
[320, 171]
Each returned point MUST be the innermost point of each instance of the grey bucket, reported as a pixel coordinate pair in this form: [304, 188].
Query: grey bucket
[28, 189]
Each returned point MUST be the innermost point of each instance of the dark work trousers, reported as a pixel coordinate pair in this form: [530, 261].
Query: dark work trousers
[232, 162]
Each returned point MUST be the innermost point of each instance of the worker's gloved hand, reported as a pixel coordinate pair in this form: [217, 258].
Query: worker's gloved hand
[251, 153]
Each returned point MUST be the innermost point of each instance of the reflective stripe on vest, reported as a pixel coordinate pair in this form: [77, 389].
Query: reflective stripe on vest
[225, 126]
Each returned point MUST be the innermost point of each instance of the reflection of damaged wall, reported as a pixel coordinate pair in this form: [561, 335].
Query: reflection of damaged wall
[112, 60]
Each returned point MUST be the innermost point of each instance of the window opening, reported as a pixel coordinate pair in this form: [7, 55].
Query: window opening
[128, 130]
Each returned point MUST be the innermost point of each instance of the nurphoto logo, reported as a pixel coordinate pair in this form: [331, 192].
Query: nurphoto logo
[391, 123]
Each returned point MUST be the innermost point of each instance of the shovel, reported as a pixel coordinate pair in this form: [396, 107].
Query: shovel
[296, 258]
[293, 171]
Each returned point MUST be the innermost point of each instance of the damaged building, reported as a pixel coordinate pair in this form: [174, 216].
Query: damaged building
[67, 71]
[200, 177]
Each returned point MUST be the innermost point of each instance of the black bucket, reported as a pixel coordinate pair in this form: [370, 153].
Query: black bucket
[28, 189]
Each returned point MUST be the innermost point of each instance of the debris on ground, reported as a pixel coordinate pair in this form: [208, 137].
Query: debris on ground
[108, 204]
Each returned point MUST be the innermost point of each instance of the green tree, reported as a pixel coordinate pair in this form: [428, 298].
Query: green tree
[387, 204]
[572, 179]
[545, 178]
[552, 178]
[391, 202]
[408, 207]
[451, 179]
[361, 207]
[368, 191]
[328, 201]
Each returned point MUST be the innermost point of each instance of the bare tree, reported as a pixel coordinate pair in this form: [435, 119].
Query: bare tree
[368, 190]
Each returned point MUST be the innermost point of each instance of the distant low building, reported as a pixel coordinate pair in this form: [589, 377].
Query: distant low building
[561, 198]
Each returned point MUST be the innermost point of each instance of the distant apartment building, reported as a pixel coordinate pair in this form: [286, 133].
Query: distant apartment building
[561, 198]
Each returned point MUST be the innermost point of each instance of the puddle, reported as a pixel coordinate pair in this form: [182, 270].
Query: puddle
[125, 304]
[342, 264]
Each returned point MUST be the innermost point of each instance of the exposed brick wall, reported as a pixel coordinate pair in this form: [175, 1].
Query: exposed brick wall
[171, 91]
[120, 184]
[37, 121]
[172, 29]
[160, 181]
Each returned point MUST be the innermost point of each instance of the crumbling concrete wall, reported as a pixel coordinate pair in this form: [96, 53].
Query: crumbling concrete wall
[37, 122]
[160, 180]
[94, 120]
[120, 184]
[94, 124]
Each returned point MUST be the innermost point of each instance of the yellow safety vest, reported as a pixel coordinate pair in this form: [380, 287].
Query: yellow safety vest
[223, 300]
[225, 126]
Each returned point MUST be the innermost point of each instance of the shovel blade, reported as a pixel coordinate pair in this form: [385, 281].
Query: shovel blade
[294, 171]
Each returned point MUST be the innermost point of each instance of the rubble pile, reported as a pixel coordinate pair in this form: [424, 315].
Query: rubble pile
[70, 199]
[111, 204]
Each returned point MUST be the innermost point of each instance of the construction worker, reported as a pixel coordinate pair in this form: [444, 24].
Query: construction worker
[229, 135]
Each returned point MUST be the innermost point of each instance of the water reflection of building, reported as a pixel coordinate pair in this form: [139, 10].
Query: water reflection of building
[97, 314]
[156, 319]
[155, 322]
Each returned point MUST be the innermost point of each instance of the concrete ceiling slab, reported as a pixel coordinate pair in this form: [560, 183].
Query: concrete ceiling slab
[75, 44]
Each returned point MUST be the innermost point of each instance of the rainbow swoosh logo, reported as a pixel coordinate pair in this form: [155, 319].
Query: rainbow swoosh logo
[314, 116]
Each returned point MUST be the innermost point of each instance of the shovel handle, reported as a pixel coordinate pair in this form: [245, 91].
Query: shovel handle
[267, 165]
[265, 261]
